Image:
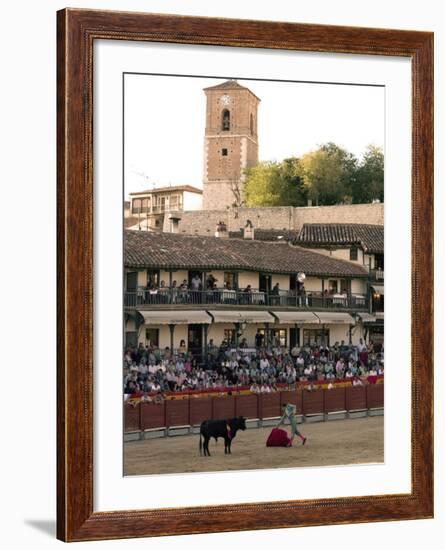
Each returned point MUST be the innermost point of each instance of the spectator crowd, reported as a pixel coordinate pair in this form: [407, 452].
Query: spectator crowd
[262, 369]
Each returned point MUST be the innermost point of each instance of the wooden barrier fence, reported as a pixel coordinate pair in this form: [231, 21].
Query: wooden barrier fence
[193, 410]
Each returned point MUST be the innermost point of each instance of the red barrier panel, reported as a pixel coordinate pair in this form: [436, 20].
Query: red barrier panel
[247, 406]
[335, 400]
[269, 405]
[292, 396]
[223, 407]
[375, 396]
[177, 412]
[152, 415]
[200, 410]
[192, 411]
[132, 418]
[313, 402]
[356, 398]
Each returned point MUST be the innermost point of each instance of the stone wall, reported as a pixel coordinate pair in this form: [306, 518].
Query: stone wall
[203, 222]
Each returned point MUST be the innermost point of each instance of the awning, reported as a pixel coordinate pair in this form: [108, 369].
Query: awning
[169, 317]
[378, 289]
[367, 318]
[241, 316]
[334, 318]
[296, 317]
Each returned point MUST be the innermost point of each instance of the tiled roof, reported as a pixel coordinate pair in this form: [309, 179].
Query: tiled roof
[230, 85]
[143, 249]
[267, 234]
[369, 237]
[227, 85]
[130, 221]
[172, 188]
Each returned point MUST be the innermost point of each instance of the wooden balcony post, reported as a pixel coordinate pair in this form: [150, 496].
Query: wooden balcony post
[172, 337]
[206, 334]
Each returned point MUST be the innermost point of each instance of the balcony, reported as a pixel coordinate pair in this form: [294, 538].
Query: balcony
[258, 298]
[157, 209]
[377, 275]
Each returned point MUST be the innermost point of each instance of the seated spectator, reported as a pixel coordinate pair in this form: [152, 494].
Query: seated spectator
[182, 347]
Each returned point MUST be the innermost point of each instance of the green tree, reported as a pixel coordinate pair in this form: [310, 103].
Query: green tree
[328, 174]
[369, 181]
[274, 184]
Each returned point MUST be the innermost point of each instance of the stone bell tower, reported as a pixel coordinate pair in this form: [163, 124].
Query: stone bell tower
[231, 143]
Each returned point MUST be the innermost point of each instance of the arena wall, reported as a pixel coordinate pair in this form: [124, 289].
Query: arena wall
[191, 411]
[203, 222]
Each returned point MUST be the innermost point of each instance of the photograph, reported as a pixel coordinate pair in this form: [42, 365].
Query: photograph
[253, 273]
[227, 191]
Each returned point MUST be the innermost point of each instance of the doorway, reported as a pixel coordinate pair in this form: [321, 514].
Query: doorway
[195, 340]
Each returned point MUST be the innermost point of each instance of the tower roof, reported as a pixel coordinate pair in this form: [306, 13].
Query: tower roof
[230, 85]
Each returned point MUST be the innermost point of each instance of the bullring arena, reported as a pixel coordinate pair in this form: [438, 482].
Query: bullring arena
[343, 426]
[341, 442]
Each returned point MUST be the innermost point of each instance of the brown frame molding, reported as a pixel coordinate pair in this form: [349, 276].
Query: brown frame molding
[77, 29]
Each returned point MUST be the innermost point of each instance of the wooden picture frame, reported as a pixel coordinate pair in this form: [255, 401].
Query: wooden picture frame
[77, 31]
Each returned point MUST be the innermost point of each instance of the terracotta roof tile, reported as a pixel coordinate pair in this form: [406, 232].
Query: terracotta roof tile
[144, 249]
[227, 85]
[369, 237]
[171, 188]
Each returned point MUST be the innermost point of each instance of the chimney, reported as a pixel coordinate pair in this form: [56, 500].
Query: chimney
[249, 231]
[221, 230]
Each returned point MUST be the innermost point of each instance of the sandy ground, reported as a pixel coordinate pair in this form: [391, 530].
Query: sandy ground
[352, 441]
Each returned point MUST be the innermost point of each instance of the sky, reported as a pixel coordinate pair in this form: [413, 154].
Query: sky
[164, 124]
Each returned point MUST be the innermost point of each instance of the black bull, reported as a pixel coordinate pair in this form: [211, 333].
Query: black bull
[220, 428]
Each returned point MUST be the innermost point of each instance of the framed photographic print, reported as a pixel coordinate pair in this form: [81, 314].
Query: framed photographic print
[228, 191]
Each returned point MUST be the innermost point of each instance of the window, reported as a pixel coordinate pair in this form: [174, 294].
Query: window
[145, 205]
[345, 286]
[225, 122]
[251, 123]
[279, 337]
[315, 337]
[294, 335]
[333, 286]
[376, 335]
[353, 254]
[152, 337]
[230, 279]
[379, 261]
[152, 278]
[378, 302]
[136, 206]
[224, 152]
[229, 336]
[175, 202]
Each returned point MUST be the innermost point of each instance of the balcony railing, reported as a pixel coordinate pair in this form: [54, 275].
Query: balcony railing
[377, 275]
[285, 298]
[157, 209]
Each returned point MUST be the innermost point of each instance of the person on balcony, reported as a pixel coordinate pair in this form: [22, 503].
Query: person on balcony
[196, 287]
[174, 292]
[302, 300]
[247, 295]
[183, 291]
[275, 295]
